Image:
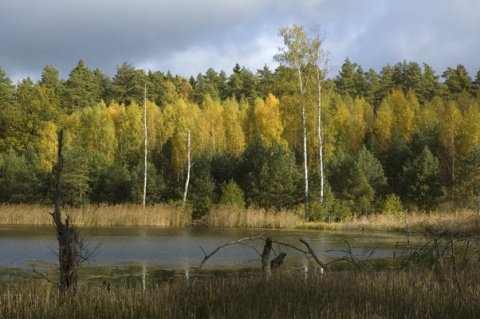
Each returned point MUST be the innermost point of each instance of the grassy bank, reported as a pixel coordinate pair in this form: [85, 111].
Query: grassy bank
[347, 294]
[162, 215]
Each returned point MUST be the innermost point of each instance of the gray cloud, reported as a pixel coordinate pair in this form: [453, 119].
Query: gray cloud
[187, 37]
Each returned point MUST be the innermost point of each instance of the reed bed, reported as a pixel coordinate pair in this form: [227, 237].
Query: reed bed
[234, 216]
[456, 223]
[161, 215]
[403, 293]
[459, 223]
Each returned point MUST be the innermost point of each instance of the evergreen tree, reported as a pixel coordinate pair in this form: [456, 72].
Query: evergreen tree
[7, 109]
[51, 80]
[266, 82]
[20, 177]
[81, 88]
[385, 84]
[457, 80]
[421, 181]
[269, 176]
[469, 177]
[346, 81]
[128, 84]
[429, 86]
[201, 194]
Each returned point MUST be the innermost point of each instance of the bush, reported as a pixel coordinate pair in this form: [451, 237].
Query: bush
[392, 204]
[232, 194]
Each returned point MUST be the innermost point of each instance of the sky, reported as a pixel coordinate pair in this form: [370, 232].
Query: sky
[187, 37]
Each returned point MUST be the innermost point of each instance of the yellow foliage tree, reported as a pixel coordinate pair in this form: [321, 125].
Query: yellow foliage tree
[383, 125]
[179, 118]
[48, 146]
[267, 122]
[233, 120]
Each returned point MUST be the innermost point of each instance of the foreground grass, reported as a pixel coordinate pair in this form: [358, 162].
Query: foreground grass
[407, 293]
[463, 223]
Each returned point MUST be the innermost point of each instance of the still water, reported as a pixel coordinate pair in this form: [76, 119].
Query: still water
[131, 251]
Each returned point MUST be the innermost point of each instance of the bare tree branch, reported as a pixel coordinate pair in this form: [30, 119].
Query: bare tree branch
[207, 256]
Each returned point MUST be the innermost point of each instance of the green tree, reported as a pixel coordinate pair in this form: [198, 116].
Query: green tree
[359, 180]
[266, 82]
[469, 177]
[407, 76]
[385, 84]
[201, 194]
[80, 88]
[421, 181]
[457, 80]
[7, 110]
[103, 87]
[51, 80]
[128, 84]
[232, 194]
[269, 176]
[351, 80]
[20, 177]
[429, 86]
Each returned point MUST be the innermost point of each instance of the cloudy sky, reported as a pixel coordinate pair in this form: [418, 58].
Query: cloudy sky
[190, 36]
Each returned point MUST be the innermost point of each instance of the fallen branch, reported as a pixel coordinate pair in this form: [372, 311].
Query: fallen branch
[307, 252]
[207, 256]
[311, 252]
[267, 265]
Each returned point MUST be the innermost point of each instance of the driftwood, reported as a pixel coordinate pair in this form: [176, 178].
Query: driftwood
[277, 261]
[312, 253]
[207, 256]
[267, 264]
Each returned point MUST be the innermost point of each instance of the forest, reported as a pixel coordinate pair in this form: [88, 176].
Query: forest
[397, 139]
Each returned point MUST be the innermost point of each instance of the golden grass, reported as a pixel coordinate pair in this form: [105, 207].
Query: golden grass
[163, 215]
[234, 216]
[92, 215]
[458, 223]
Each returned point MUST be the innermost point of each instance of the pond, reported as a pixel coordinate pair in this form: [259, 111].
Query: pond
[137, 252]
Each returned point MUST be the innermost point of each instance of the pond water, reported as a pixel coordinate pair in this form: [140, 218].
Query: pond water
[176, 252]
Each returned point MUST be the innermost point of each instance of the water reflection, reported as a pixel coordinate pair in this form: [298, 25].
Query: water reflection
[141, 254]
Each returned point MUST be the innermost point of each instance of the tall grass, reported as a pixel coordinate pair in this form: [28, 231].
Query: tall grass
[233, 216]
[457, 223]
[345, 294]
[164, 215]
[91, 215]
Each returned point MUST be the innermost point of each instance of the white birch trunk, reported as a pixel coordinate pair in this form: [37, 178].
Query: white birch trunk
[145, 148]
[187, 181]
[320, 139]
[305, 158]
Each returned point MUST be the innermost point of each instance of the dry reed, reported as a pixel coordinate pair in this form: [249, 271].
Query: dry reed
[458, 223]
[234, 216]
[103, 215]
[163, 215]
[345, 294]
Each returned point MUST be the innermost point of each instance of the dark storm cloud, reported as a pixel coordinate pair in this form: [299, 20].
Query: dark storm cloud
[187, 37]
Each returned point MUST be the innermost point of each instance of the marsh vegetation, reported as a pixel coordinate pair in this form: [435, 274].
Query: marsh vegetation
[439, 280]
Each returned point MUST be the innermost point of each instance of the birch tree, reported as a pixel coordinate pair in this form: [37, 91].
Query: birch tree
[302, 52]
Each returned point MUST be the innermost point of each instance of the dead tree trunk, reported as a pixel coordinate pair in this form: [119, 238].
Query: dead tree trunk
[266, 267]
[68, 254]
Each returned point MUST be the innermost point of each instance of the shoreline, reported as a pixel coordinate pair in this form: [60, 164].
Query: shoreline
[457, 224]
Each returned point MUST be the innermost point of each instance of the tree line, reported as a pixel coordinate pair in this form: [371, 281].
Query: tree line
[402, 138]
